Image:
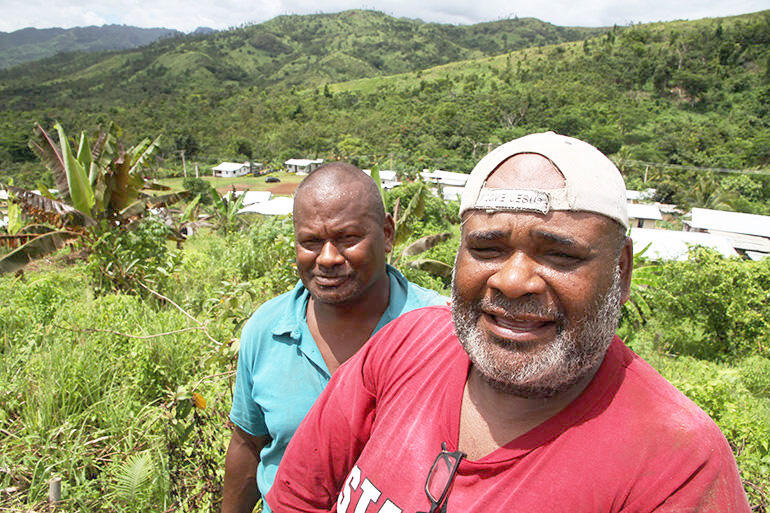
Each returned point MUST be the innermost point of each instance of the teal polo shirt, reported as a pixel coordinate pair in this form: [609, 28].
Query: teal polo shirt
[281, 371]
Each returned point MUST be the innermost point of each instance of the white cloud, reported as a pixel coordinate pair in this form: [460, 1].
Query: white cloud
[187, 15]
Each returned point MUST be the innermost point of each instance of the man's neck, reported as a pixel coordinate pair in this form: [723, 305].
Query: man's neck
[491, 418]
[340, 330]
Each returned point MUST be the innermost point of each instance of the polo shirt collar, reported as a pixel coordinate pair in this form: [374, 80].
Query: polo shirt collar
[294, 316]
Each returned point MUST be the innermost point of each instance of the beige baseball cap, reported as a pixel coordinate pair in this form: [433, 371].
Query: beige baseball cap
[592, 182]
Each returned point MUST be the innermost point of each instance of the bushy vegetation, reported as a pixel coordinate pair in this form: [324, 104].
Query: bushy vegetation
[100, 387]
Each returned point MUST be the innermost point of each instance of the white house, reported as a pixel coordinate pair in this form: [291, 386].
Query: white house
[231, 169]
[278, 206]
[302, 166]
[643, 215]
[675, 245]
[388, 178]
[251, 196]
[746, 232]
[452, 192]
[444, 177]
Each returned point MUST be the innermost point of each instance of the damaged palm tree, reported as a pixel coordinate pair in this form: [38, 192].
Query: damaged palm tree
[100, 188]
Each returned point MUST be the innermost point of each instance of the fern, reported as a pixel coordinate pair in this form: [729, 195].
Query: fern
[132, 478]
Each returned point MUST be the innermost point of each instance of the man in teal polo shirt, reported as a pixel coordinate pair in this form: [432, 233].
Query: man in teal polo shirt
[294, 342]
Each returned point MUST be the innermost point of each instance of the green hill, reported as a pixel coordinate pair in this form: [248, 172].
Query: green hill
[31, 44]
[368, 87]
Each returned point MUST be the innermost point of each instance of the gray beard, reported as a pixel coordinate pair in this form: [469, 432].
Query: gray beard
[576, 351]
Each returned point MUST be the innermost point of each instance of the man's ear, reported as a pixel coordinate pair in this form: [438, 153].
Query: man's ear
[626, 268]
[389, 229]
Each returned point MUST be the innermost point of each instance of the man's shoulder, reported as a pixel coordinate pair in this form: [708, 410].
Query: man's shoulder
[415, 296]
[663, 408]
[420, 296]
[279, 312]
[279, 305]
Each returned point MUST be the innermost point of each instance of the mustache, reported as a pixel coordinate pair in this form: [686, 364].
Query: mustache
[519, 306]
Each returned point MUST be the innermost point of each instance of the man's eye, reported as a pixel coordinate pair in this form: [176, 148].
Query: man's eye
[349, 240]
[311, 244]
[563, 258]
[484, 252]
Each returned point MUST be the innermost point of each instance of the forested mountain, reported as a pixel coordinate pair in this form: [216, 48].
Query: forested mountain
[685, 93]
[31, 44]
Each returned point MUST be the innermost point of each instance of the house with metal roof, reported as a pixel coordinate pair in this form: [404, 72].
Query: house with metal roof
[444, 177]
[746, 232]
[278, 206]
[643, 215]
[388, 178]
[302, 166]
[251, 197]
[231, 169]
[675, 244]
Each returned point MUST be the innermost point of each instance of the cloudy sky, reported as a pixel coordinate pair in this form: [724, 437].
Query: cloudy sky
[186, 15]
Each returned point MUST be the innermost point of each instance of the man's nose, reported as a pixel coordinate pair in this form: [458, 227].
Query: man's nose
[329, 256]
[518, 276]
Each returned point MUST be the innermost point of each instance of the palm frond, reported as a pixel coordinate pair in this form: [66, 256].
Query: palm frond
[132, 478]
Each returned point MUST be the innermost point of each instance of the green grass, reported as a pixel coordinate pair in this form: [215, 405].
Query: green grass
[253, 183]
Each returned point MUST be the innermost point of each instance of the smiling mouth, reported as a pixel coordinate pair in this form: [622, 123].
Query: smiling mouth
[520, 328]
[330, 281]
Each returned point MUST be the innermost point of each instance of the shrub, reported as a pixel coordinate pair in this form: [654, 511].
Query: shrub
[711, 307]
[123, 258]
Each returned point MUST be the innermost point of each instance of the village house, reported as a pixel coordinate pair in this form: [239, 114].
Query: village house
[675, 244]
[388, 178]
[251, 197]
[749, 234]
[231, 169]
[278, 206]
[441, 177]
[643, 215]
[302, 166]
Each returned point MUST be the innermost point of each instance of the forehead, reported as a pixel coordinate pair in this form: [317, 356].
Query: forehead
[556, 226]
[329, 203]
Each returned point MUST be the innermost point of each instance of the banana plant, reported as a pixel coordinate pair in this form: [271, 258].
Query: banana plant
[100, 187]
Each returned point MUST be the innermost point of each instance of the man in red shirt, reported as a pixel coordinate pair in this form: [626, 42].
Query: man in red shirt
[521, 398]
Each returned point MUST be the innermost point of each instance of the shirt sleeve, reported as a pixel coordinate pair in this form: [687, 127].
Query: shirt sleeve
[245, 412]
[699, 478]
[330, 438]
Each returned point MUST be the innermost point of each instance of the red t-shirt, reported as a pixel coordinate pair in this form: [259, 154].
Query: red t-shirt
[629, 443]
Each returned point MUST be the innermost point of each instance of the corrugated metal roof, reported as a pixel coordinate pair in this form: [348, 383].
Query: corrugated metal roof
[303, 162]
[278, 206]
[735, 222]
[674, 245]
[643, 211]
[230, 166]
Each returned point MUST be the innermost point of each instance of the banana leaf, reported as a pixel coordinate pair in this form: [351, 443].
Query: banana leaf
[155, 186]
[36, 248]
[425, 243]
[435, 267]
[142, 152]
[50, 155]
[49, 210]
[166, 199]
[416, 208]
[81, 193]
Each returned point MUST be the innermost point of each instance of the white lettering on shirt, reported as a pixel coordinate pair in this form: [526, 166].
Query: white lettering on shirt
[351, 483]
[368, 494]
